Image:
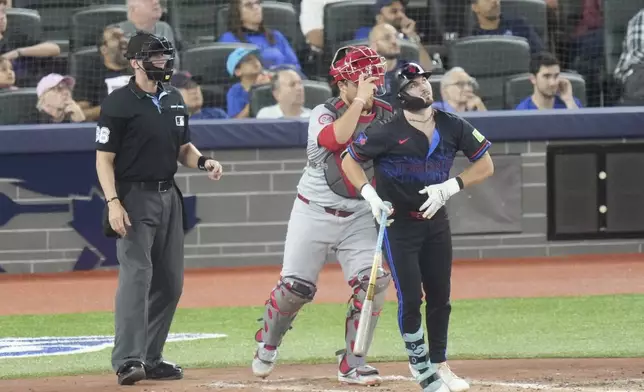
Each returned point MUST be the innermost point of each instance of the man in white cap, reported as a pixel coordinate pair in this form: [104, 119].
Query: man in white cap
[55, 102]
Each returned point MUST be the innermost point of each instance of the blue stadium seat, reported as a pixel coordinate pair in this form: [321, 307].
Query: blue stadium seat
[83, 63]
[55, 17]
[18, 107]
[88, 24]
[490, 59]
[23, 23]
[341, 20]
[193, 20]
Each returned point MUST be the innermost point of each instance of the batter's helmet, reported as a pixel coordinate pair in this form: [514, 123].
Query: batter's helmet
[350, 62]
[405, 76]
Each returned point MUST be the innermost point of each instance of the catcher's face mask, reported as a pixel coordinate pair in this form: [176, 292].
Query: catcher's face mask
[157, 58]
[350, 62]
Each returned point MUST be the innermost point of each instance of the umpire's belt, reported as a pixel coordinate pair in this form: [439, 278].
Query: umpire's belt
[156, 186]
[341, 214]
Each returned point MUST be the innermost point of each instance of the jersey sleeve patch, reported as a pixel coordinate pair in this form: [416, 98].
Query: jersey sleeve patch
[102, 134]
[478, 136]
[325, 119]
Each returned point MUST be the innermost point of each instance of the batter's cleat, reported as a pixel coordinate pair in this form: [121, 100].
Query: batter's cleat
[429, 383]
[453, 382]
[362, 375]
[264, 360]
[130, 373]
[164, 371]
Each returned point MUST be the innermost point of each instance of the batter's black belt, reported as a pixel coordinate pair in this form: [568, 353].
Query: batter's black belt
[340, 213]
[155, 186]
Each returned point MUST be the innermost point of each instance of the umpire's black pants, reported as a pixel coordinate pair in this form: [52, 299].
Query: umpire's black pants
[419, 254]
[150, 273]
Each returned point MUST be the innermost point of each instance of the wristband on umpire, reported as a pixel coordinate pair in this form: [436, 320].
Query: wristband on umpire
[201, 163]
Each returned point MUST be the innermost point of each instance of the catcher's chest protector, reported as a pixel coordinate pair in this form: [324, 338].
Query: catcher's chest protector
[333, 173]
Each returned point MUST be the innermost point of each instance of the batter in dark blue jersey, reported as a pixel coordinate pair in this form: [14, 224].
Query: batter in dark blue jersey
[413, 154]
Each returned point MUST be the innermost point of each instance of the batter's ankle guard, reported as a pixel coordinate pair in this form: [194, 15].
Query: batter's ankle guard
[286, 299]
[359, 286]
[418, 353]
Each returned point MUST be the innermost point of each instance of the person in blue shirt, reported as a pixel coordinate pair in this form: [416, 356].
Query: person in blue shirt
[193, 98]
[243, 64]
[245, 24]
[550, 90]
[490, 21]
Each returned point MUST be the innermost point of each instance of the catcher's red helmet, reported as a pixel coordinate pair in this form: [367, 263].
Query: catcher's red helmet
[350, 62]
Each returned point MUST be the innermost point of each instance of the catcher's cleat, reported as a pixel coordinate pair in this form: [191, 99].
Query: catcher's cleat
[264, 360]
[362, 375]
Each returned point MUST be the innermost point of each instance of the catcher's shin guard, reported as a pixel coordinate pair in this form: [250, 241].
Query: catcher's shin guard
[419, 364]
[287, 298]
[359, 285]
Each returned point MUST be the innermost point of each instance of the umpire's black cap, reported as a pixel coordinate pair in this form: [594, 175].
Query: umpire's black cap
[143, 44]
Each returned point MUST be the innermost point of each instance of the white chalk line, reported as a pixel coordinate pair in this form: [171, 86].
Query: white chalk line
[269, 385]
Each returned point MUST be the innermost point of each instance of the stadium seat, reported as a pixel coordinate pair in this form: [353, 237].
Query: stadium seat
[19, 107]
[617, 14]
[435, 81]
[83, 63]
[193, 20]
[54, 16]
[23, 23]
[315, 93]
[490, 59]
[534, 12]
[207, 64]
[277, 16]
[88, 24]
[518, 87]
[341, 20]
[408, 51]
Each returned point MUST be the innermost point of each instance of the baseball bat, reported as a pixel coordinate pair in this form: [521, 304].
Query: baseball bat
[364, 324]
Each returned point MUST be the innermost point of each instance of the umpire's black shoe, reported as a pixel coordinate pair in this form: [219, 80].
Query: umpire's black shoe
[164, 371]
[130, 373]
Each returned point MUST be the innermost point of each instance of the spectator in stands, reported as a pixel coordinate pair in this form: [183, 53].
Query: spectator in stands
[245, 24]
[458, 92]
[490, 21]
[312, 21]
[550, 90]
[392, 12]
[7, 76]
[55, 102]
[582, 43]
[383, 39]
[193, 98]
[244, 64]
[630, 67]
[20, 45]
[288, 91]
[113, 72]
[145, 15]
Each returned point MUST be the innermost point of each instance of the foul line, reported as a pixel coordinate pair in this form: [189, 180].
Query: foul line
[270, 385]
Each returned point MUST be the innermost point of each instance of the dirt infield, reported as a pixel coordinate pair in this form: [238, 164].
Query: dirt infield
[476, 279]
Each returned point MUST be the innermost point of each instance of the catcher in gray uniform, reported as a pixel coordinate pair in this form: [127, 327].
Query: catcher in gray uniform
[329, 214]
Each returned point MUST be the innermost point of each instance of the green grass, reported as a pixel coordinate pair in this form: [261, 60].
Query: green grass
[597, 326]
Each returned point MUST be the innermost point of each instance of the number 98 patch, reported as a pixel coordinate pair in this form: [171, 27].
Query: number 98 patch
[102, 135]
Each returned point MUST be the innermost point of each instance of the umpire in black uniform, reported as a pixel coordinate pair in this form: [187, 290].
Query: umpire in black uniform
[142, 132]
[413, 154]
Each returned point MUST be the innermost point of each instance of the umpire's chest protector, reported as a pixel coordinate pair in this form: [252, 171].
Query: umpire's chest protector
[333, 172]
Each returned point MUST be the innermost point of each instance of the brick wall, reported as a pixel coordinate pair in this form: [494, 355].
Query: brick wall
[244, 216]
